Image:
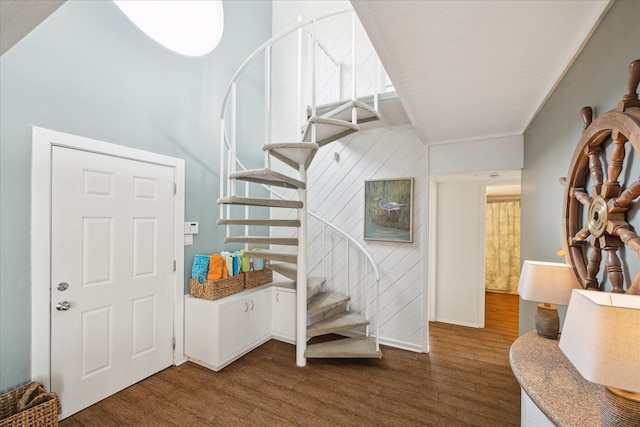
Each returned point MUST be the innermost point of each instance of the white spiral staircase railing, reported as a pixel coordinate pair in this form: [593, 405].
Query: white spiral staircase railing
[318, 131]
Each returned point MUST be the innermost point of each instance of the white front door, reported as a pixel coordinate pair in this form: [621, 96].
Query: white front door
[112, 269]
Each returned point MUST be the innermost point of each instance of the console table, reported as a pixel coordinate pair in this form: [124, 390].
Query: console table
[553, 391]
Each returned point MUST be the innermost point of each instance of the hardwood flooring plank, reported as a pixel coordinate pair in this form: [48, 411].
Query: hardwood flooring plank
[261, 417]
[299, 416]
[165, 412]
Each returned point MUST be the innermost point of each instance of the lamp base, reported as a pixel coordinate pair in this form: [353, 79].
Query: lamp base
[619, 408]
[547, 321]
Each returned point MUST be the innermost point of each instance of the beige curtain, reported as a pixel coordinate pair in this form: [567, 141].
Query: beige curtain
[502, 250]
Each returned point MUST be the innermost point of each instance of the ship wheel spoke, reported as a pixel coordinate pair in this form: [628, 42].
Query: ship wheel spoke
[627, 236]
[612, 187]
[593, 266]
[581, 196]
[581, 235]
[595, 167]
[614, 269]
[621, 203]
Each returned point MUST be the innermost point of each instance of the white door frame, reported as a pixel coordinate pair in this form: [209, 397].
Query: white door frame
[433, 239]
[43, 141]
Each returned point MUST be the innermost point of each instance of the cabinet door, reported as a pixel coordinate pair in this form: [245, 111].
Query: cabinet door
[260, 316]
[200, 330]
[234, 328]
[284, 314]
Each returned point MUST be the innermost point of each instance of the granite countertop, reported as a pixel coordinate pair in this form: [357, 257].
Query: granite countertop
[552, 383]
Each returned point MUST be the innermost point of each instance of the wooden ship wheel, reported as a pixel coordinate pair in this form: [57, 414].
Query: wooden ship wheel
[596, 220]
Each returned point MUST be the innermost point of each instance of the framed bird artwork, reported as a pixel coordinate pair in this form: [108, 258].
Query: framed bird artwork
[388, 210]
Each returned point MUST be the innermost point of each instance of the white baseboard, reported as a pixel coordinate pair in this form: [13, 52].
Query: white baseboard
[402, 345]
[416, 348]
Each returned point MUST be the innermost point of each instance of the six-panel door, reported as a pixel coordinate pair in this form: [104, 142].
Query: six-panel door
[112, 274]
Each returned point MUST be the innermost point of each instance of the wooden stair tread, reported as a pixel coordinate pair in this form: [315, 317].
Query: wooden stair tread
[336, 323]
[314, 284]
[359, 347]
[271, 203]
[274, 256]
[328, 130]
[268, 177]
[365, 112]
[263, 240]
[325, 301]
[261, 222]
[294, 154]
[368, 100]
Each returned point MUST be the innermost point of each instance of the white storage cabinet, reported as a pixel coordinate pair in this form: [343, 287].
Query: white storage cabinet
[219, 332]
[284, 314]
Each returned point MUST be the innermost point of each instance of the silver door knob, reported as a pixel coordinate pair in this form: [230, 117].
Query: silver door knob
[63, 306]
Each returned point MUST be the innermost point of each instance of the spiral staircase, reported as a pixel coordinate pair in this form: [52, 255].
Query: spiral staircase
[322, 314]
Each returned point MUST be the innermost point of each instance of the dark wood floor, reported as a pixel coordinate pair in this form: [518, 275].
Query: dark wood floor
[464, 380]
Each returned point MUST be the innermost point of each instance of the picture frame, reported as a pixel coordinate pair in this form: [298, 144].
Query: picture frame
[388, 210]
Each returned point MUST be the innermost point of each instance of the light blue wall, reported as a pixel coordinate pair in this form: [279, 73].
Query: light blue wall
[597, 78]
[88, 71]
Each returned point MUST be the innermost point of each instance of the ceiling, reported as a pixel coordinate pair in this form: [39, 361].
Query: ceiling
[473, 70]
[464, 70]
[19, 17]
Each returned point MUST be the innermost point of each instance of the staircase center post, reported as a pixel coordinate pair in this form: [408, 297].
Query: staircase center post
[301, 279]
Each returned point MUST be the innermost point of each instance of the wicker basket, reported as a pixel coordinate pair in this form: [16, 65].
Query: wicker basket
[44, 411]
[254, 279]
[216, 289]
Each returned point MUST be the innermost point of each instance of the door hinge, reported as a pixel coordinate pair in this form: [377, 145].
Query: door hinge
[173, 342]
[175, 188]
[174, 265]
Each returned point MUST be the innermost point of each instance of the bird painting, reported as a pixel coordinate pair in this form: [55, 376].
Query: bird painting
[392, 209]
[388, 210]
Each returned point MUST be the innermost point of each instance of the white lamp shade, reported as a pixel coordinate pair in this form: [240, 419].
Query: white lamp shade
[547, 282]
[601, 337]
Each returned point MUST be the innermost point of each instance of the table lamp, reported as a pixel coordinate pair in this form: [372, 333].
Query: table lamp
[548, 283]
[601, 338]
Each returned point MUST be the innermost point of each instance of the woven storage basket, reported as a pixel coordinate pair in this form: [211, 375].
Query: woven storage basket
[256, 278]
[216, 289]
[42, 414]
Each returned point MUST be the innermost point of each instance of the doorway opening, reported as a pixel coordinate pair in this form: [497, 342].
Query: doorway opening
[502, 256]
[458, 228]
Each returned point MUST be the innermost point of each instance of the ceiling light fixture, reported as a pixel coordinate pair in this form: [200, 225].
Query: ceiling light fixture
[191, 28]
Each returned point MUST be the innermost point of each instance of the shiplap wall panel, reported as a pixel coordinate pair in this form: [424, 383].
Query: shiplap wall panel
[400, 264]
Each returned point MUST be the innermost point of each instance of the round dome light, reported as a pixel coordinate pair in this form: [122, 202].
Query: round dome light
[192, 28]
